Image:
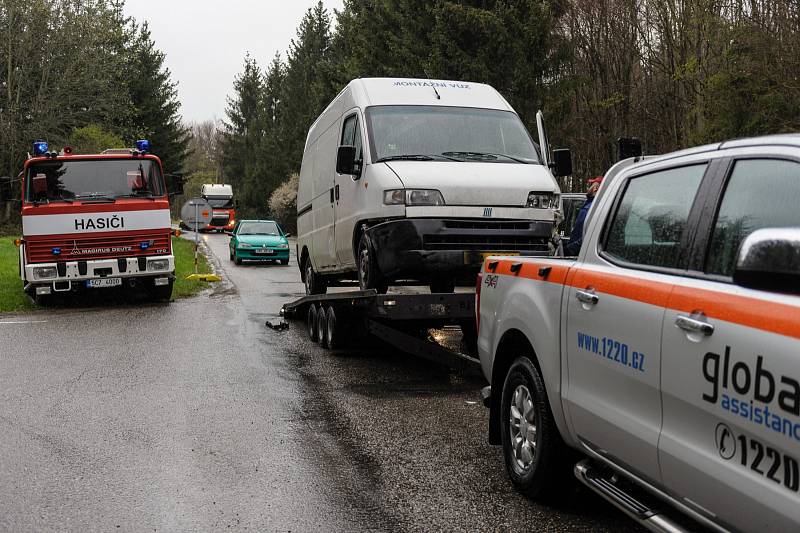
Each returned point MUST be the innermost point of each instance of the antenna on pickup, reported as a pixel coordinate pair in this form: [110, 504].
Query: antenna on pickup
[438, 96]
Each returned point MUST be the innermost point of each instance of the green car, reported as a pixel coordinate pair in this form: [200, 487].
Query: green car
[258, 240]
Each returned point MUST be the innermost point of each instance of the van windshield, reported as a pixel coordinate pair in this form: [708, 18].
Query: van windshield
[109, 179]
[454, 133]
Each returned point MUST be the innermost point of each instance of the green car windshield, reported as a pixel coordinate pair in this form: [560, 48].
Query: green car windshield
[258, 228]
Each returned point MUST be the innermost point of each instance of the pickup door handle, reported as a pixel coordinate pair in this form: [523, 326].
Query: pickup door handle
[587, 297]
[692, 325]
[331, 191]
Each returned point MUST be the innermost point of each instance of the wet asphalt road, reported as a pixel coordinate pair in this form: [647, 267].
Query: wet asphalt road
[195, 416]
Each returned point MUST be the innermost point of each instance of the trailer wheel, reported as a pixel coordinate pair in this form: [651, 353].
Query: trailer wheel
[312, 323]
[333, 331]
[322, 327]
[532, 446]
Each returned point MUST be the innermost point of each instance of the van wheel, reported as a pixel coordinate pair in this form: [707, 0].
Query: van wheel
[315, 284]
[369, 277]
[532, 446]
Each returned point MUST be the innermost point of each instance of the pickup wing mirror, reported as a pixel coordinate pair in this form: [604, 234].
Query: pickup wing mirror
[769, 259]
[629, 147]
[562, 162]
[5, 189]
[346, 161]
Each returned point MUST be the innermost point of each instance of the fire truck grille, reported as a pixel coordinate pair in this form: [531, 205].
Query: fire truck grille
[87, 247]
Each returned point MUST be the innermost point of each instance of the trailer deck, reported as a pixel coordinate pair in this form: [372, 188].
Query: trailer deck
[402, 320]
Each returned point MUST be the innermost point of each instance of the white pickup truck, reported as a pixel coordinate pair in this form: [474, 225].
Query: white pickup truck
[668, 352]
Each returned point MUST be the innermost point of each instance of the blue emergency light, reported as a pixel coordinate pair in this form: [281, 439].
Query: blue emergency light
[143, 145]
[144, 245]
[40, 148]
[56, 251]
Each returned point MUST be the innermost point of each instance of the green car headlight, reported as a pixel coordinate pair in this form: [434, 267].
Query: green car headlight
[245, 245]
[283, 246]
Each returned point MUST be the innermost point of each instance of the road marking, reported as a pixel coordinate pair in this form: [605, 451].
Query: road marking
[23, 322]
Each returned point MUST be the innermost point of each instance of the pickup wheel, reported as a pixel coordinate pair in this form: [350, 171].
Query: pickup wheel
[532, 446]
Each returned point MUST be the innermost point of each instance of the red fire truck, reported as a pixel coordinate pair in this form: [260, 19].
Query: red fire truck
[91, 222]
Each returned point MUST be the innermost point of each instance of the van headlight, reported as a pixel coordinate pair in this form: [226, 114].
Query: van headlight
[413, 197]
[44, 272]
[542, 200]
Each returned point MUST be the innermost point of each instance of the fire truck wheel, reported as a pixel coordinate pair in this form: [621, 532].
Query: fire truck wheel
[311, 322]
[162, 293]
[322, 326]
[42, 300]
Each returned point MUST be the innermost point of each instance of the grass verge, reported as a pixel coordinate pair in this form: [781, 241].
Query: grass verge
[184, 265]
[12, 299]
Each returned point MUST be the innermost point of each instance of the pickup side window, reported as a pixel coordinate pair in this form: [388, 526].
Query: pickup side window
[761, 193]
[650, 221]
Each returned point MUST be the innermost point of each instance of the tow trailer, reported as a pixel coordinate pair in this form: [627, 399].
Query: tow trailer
[402, 320]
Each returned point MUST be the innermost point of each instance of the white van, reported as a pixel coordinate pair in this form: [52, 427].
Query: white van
[407, 179]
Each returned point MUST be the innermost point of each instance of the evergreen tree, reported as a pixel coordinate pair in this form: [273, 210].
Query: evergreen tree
[155, 102]
[243, 135]
[308, 83]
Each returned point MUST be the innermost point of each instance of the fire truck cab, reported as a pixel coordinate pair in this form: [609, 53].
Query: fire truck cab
[95, 221]
[220, 197]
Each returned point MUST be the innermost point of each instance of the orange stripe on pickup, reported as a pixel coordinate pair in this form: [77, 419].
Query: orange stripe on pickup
[760, 314]
[756, 313]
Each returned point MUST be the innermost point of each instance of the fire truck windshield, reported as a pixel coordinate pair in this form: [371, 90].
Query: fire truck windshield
[107, 179]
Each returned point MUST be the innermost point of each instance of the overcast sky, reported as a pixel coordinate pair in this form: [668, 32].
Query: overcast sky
[205, 42]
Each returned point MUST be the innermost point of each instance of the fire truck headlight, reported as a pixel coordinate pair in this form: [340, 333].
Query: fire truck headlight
[44, 272]
[158, 264]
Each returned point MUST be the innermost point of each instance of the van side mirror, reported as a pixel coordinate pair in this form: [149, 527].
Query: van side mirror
[769, 259]
[629, 147]
[346, 161]
[5, 189]
[562, 162]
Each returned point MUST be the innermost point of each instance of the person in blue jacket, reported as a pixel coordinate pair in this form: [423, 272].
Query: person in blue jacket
[573, 246]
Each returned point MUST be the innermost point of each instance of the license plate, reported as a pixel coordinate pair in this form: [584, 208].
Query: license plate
[103, 282]
[484, 255]
[265, 251]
